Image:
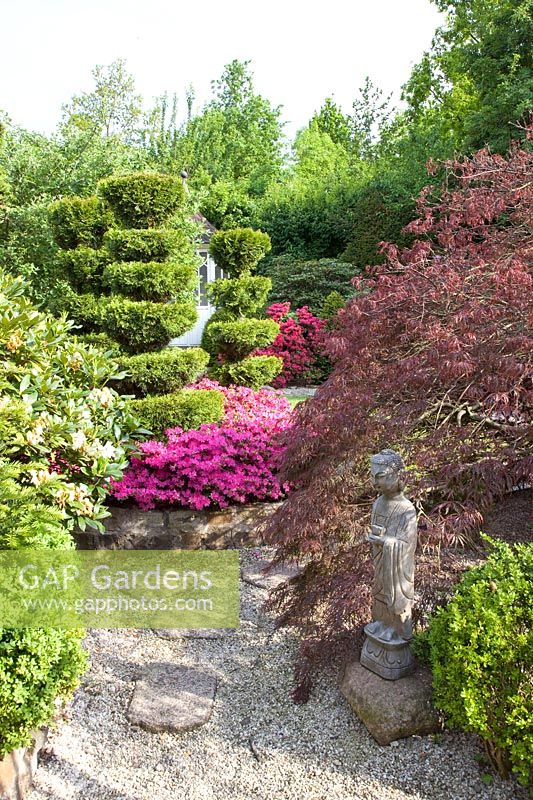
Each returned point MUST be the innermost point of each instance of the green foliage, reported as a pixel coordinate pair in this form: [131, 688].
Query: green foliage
[375, 213]
[151, 280]
[228, 205]
[63, 435]
[241, 296]
[78, 221]
[237, 252]
[236, 137]
[253, 371]
[164, 372]
[142, 199]
[141, 325]
[481, 648]
[308, 283]
[113, 108]
[476, 82]
[236, 338]
[103, 342]
[82, 267]
[153, 244]
[84, 310]
[186, 409]
[67, 408]
[331, 306]
[36, 667]
[208, 343]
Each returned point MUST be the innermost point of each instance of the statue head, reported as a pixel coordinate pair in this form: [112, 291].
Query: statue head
[388, 472]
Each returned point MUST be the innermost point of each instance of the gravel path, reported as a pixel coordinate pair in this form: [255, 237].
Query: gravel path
[256, 744]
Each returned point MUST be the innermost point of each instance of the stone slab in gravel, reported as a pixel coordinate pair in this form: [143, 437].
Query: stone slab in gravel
[391, 710]
[172, 698]
[192, 633]
[254, 574]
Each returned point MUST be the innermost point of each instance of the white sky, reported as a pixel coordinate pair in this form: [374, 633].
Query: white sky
[301, 52]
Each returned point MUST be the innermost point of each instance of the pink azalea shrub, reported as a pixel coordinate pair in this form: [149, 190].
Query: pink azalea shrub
[216, 465]
[299, 343]
[269, 409]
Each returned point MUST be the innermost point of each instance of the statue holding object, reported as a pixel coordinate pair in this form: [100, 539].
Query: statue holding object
[393, 537]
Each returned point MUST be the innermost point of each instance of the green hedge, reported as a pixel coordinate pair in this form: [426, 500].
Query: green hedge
[142, 199]
[242, 296]
[141, 325]
[78, 221]
[154, 244]
[238, 251]
[308, 283]
[481, 650]
[234, 340]
[163, 372]
[376, 213]
[150, 280]
[187, 409]
[254, 371]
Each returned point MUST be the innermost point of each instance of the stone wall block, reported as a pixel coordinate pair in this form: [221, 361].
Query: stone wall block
[18, 768]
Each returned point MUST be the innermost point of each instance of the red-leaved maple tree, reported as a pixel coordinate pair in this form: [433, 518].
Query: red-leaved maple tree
[433, 358]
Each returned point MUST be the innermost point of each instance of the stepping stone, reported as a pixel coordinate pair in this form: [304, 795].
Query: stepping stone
[172, 698]
[280, 574]
[192, 633]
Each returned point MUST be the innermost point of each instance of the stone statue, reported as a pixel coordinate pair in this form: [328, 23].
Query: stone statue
[393, 538]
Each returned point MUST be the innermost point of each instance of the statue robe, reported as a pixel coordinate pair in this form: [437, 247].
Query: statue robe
[394, 563]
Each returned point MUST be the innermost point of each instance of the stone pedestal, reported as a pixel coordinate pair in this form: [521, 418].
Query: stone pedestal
[385, 653]
[391, 710]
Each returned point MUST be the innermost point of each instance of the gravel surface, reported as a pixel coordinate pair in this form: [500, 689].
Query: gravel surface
[256, 744]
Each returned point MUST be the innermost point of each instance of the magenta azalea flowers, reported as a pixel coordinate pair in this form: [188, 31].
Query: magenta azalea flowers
[216, 465]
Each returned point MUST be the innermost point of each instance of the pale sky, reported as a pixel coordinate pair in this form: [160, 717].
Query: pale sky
[300, 52]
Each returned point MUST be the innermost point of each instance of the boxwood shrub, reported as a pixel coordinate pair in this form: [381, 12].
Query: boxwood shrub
[37, 665]
[78, 221]
[143, 199]
[163, 372]
[481, 651]
[187, 409]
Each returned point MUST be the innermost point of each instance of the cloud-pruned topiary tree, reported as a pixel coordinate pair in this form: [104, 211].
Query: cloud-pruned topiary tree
[232, 334]
[132, 273]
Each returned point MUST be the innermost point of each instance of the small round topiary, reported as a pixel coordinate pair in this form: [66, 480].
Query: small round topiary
[481, 651]
[238, 251]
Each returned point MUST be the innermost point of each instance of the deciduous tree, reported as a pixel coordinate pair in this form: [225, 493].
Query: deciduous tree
[433, 358]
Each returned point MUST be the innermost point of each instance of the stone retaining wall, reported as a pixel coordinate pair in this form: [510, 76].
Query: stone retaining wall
[132, 529]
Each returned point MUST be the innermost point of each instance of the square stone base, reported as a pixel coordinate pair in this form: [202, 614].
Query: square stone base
[391, 710]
